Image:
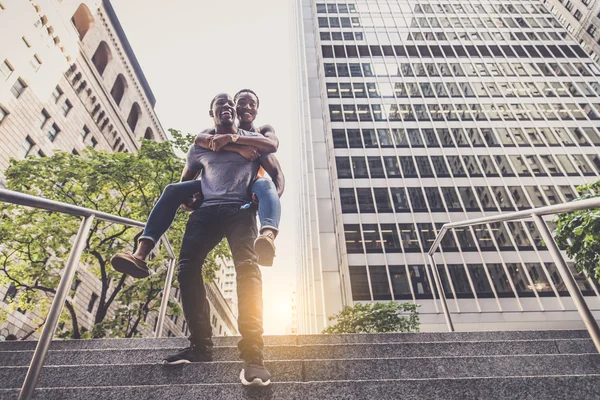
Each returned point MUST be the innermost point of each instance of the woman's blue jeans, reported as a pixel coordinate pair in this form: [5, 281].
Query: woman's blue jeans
[163, 213]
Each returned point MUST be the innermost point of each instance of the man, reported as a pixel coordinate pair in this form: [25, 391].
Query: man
[188, 192]
[224, 212]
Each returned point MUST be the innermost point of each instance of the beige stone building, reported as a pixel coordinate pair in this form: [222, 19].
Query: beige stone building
[70, 79]
[582, 19]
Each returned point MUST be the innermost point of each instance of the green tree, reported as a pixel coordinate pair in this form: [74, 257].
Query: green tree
[376, 317]
[578, 233]
[35, 244]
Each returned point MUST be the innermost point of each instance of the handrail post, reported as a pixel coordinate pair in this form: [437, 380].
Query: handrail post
[584, 311]
[165, 299]
[441, 294]
[35, 367]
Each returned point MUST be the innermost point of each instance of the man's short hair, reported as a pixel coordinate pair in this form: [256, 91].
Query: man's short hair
[214, 99]
[238, 94]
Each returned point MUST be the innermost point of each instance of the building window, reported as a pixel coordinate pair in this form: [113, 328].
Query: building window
[35, 62]
[41, 154]
[92, 302]
[592, 30]
[118, 89]
[3, 114]
[10, 293]
[53, 131]
[1, 8]
[6, 69]
[102, 57]
[27, 146]
[82, 20]
[18, 88]
[133, 117]
[84, 131]
[74, 152]
[92, 142]
[26, 42]
[149, 134]
[56, 94]
[66, 107]
[45, 117]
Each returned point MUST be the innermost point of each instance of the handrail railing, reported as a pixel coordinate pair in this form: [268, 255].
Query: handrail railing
[39, 356]
[536, 214]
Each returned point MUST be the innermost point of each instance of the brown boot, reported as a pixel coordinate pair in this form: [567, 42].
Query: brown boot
[128, 264]
[264, 245]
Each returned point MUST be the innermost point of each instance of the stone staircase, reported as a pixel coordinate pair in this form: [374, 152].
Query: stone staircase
[465, 365]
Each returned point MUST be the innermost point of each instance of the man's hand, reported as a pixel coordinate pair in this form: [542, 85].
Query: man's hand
[217, 142]
[193, 202]
[248, 152]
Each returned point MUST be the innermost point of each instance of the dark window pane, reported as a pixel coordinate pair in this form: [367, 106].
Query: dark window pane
[353, 239]
[400, 284]
[343, 167]
[359, 283]
[420, 282]
[339, 139]
[500, 280]
[359, 165]
[417, 199]
[348, 200]
[382, 200]
[399, 199]
[365, 200]
[376, 167]
[389, 235]
[371, 238]
[380, 283]
[408, 238]
[480, 280]
[460, 281]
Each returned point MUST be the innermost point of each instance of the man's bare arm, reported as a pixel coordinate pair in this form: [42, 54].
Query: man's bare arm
[188, 174]
[269, 132]
[203, 138]
[271, 165]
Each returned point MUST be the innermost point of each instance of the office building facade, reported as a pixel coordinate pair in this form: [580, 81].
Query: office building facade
[419, 113]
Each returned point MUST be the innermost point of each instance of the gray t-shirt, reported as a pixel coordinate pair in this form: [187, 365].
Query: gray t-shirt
[226, 176]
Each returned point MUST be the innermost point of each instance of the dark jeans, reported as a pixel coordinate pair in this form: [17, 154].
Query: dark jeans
[205, 229]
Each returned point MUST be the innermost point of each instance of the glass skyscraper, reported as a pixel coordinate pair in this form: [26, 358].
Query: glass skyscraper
[420, 112]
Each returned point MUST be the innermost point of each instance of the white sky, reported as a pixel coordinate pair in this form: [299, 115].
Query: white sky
[192, 50]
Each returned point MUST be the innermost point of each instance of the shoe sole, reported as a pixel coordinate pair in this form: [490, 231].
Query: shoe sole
[129, 268]
[165, 362]
[265, 251]
[255, 382]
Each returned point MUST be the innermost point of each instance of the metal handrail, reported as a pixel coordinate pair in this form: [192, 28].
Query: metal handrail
[536, 214]
[41, 350]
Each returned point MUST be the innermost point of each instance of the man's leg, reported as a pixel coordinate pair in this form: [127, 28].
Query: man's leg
[160, 219]
[202, 233]
[240, 230]
[269, 214]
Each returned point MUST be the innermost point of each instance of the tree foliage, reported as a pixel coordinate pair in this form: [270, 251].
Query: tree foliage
[578, 233]
[376, 317]
[35, 244]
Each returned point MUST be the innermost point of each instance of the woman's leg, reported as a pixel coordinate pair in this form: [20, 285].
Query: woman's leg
[160, 219]
[269, 215]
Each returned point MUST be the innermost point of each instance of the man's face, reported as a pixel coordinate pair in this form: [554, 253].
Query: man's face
[223, 110]
[247, 107]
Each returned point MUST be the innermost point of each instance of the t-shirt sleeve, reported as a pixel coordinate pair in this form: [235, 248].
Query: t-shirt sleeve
[194, 157]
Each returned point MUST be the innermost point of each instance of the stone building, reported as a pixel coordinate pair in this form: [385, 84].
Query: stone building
[70, 79]
[582, 19]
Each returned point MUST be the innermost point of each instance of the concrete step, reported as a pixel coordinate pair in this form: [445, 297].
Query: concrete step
[505, 388]
[315, 351]
[310, 370]
[305, 339]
